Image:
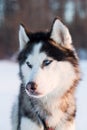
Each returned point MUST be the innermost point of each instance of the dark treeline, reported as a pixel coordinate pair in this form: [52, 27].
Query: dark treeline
[38, 15]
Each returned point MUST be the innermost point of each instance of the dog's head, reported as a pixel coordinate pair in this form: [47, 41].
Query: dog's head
[48, 61]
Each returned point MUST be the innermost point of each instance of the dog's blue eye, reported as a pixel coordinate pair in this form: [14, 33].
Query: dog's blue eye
[46, 62]
[28, 64]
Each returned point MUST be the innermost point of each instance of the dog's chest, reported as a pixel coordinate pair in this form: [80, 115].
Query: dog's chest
[50, 113]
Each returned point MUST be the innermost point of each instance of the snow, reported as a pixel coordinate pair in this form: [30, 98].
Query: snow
[9, 88]
[9, 85]
[81, 119]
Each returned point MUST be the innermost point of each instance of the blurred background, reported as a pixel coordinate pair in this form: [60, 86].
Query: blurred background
[38, 15]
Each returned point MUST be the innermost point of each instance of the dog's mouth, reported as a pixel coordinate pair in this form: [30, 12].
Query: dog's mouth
[32, 93]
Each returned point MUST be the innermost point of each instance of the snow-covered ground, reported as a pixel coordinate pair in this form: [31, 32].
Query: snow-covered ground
[9, 87]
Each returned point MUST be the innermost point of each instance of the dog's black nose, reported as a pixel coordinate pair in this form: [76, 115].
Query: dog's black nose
[31, 86]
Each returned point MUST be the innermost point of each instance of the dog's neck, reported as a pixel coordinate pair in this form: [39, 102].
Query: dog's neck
[58, 106]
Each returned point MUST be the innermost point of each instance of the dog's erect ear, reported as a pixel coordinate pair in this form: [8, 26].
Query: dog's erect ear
[23, 38]
[60, 34]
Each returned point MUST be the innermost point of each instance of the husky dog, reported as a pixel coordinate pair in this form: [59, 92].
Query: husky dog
[49, 73]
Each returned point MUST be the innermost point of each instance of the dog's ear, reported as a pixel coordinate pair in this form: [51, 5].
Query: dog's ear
[60, 34]
[23, 38]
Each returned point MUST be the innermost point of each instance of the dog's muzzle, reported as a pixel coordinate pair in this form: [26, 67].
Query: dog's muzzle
[31, 89]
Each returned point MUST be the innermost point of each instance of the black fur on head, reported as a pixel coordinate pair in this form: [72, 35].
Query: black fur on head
[49, 46]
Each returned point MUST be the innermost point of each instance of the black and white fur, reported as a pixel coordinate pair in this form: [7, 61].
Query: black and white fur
[49, 73]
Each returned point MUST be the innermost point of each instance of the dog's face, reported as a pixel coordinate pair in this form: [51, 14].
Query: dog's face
[47, 61]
